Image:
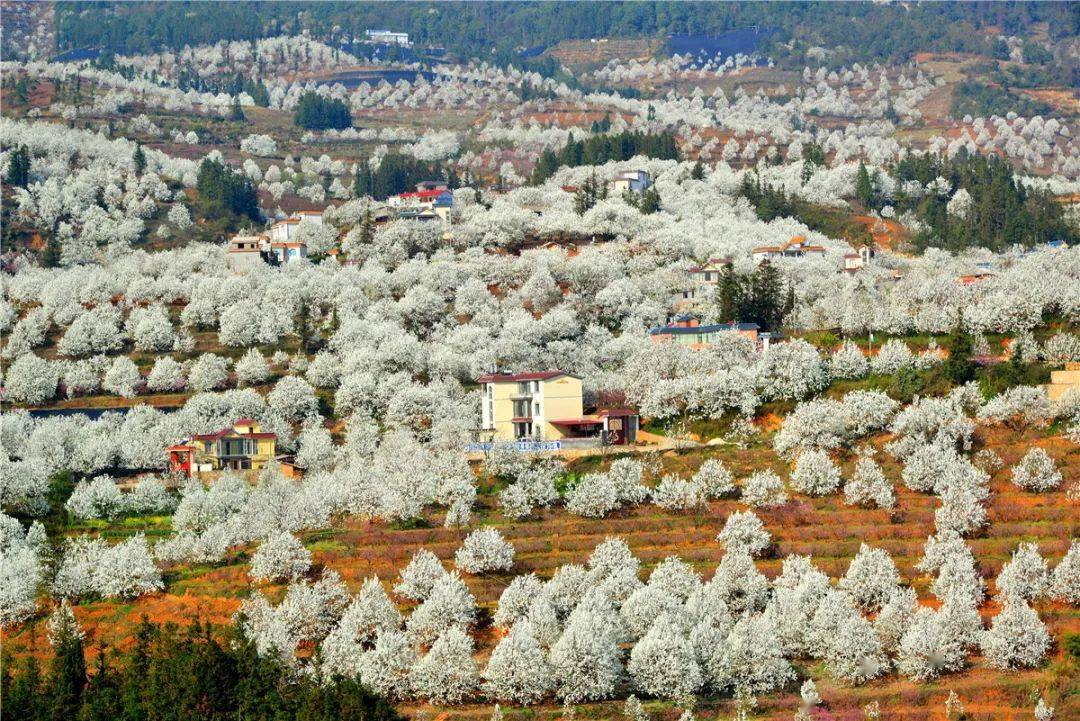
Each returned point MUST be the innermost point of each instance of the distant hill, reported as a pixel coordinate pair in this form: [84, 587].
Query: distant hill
[857, 32]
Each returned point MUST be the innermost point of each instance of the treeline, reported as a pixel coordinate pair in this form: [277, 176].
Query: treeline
[600, 149]
[864, 32]
[315, 112]
[224, 189]
[173, 673]
[770, 203]
[1002, 212]
[981, 100]
[398, 174]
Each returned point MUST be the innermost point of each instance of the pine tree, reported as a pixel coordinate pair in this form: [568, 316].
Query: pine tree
[959, 366]
[139, 159]
[864, 187]
[67, 673]
[18, 172]
[236, 113]
[698, 171]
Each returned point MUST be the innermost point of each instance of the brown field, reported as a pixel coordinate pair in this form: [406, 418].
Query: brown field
[822, 527]
[578, 54]
[1064, 99]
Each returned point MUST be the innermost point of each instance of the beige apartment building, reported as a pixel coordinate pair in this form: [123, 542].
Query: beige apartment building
[521, 406]
[548, 406]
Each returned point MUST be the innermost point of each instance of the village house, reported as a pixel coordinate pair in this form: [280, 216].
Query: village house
[548, 406]
[431, 200]
[687, 330]
[241, 446]
[278, 246]
[635, 181]
[704, 279]
[245, 252]
[859, 260]
[1063, 381]
[797, 247]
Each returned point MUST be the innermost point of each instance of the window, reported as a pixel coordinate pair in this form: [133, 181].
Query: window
[536, 386]
[536, 409]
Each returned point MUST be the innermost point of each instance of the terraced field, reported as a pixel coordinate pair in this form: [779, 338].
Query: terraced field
[822, 527]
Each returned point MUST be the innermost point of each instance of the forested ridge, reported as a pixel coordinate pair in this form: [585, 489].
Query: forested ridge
[859, 31]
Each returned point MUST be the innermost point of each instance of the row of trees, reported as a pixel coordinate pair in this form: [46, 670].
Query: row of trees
[315, 112]
[600, 149]
[177, 673]
[397, 173]
[861, 33]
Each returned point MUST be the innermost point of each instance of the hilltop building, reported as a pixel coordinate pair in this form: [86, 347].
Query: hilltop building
[280, 245]
[704, 279]
[859, 260]
[1063, 381]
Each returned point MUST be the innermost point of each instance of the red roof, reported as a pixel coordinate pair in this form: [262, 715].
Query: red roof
[586, 421]
[513, 377]
[227, 431]
[424, 194]
[244, 422]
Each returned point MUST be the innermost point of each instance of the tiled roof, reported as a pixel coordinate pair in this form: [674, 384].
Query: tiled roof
[514, 377]
[700, 329]
[424, 194]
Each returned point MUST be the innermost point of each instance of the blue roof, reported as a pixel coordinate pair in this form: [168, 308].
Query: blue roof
[702, 329]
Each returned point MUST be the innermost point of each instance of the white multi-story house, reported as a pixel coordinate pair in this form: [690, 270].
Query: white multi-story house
[387, 37]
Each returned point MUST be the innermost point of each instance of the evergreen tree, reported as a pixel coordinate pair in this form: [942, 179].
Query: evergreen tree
[649, 202]
[67, 675]
[864, 187]
[698, 172]
[18, 173]
[236, 113]
[315, 112]
[139, 159]
[959, 366]
[230, 191]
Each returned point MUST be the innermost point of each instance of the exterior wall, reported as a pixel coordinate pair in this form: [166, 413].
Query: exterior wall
[244, 261]
[502, 409]
[554, 398]
[283, 231]
[561, 398]
[1063, 381]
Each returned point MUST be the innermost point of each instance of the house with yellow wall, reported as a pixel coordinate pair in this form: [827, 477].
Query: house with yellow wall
[546, 406]
[241, 446]
[1063, 382]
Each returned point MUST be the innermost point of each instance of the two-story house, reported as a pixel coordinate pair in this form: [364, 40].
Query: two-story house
[245, 252]
[241, 446]
[547, 406]
[635, 181]
[797, 247]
